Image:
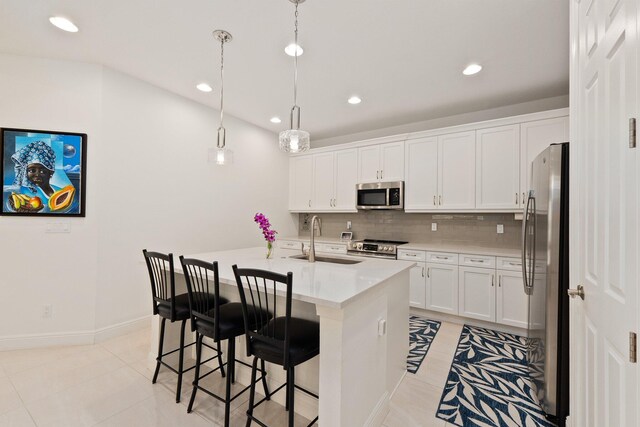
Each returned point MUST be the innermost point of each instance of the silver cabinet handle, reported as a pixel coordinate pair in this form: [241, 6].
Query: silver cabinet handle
[516, 264]
[381, 173]
[309, 203]
[442, 257]
[422, 271]
[476, 260]
[492, 280]
[429, 272]
[523, 198]
[499, 280]
[440, 200]
[413, 255]
[434, 200]
[377, 174]
[516, 198]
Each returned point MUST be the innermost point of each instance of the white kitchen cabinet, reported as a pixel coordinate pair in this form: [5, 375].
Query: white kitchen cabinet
[346, 178]
[418, 285]
[383, 162]
[457, 171]
[442, 288]
[477, 293]
[323, 181]
[421, 175]
[300, 183]
[534, 138]
[511, 301]
[498, 168]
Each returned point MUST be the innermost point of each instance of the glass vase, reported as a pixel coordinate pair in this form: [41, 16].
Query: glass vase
[269, 250]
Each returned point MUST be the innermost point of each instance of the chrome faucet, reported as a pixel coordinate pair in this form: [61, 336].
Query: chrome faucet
[312, 249]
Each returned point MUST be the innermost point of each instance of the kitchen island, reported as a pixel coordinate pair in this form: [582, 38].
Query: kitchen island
[363, 310]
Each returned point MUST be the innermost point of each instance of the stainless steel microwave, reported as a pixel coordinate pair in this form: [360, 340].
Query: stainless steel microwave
[380, 195]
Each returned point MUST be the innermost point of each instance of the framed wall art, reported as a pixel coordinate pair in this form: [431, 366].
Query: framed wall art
[43, 173]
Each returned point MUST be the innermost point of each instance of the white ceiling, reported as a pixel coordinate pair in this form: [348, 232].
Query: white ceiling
[403, 57]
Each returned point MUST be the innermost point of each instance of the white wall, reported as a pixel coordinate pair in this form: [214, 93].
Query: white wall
[148, 185]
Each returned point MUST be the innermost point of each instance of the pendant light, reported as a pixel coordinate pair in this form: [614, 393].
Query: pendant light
[223, 155]
[295, 140]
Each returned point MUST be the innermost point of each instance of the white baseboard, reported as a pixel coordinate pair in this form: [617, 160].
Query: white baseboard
[55, 339]
[123, 328]
[379, 413]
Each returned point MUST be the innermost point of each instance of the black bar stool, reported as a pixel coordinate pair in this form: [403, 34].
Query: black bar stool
[286, 341]
[170, 306]
[218, 322]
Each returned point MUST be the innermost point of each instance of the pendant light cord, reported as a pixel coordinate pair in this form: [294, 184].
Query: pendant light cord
[221, 95]
[295, 110]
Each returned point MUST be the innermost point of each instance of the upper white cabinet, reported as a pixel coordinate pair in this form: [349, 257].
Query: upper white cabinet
[421, 175]
[346, 178]
[300, 183]
[534, 138]
[323, 182]
[457, 171]
[498, 167]
[383, 162]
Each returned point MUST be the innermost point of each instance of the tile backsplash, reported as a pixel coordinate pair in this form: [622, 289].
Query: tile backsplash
[467, 228]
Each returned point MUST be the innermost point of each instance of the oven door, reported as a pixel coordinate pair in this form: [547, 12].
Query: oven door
[380, 195]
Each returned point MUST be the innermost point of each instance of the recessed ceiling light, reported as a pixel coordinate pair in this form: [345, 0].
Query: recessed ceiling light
[354, 100]
[291, 49]
[204, 87]
[276, 120]
[472, 69]
[63, 24]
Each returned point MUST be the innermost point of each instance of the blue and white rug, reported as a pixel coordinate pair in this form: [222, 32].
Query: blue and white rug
[421, 333]
[489, 384]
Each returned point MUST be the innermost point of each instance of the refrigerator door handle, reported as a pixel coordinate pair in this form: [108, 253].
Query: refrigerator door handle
[524, 246]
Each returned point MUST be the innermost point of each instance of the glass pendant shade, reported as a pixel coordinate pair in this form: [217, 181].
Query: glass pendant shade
[294, 140]
[224, 156]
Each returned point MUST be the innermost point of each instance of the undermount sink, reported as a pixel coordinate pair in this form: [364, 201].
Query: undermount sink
[328, 259]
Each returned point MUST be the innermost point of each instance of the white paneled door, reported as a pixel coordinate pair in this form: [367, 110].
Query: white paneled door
[604, 212]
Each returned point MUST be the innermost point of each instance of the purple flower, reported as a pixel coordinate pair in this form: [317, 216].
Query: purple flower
[265, 226]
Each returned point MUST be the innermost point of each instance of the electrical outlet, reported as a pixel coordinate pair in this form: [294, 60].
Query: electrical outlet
[500, 229]
[348, 225]
[434, 226]
[47, 311]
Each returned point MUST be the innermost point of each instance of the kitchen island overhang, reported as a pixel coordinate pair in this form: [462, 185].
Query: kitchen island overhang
[363, 310]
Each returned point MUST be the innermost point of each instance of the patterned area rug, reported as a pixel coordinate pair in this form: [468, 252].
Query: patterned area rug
[421, 333]
[489, 384]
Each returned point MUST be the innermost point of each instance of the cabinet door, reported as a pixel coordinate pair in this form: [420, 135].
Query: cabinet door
[300, 183]
[511, 301]
[392, 161]
[442, 288]
[369, 164]
[323, 181]
[421, 175]
[346, 178]
[498, 168]
[457, 171]
[477, 293]
[418, 285]
[534, 138]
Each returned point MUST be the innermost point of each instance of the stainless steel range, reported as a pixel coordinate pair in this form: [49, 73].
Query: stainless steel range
[374, 248]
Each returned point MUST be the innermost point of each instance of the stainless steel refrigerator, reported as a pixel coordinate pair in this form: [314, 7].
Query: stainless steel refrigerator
[545, 264]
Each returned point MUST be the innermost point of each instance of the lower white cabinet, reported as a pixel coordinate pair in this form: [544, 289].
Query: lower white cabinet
[418, 285]
[512, 302]
[477, 293]
[442, 288]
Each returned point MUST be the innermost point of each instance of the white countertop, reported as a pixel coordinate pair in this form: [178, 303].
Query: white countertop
[320, 283]
[463, 249]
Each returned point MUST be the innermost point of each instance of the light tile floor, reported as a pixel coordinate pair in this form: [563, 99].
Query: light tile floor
[109, 384]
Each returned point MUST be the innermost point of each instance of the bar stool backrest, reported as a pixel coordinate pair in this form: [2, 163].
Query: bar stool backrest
[259, 296]
[202, 282]
[161, 275]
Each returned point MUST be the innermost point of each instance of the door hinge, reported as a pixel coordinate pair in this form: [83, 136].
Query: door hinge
[632, 133]
[633, 347]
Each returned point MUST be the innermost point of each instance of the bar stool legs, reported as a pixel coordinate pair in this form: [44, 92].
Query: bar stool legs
[159, 358]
